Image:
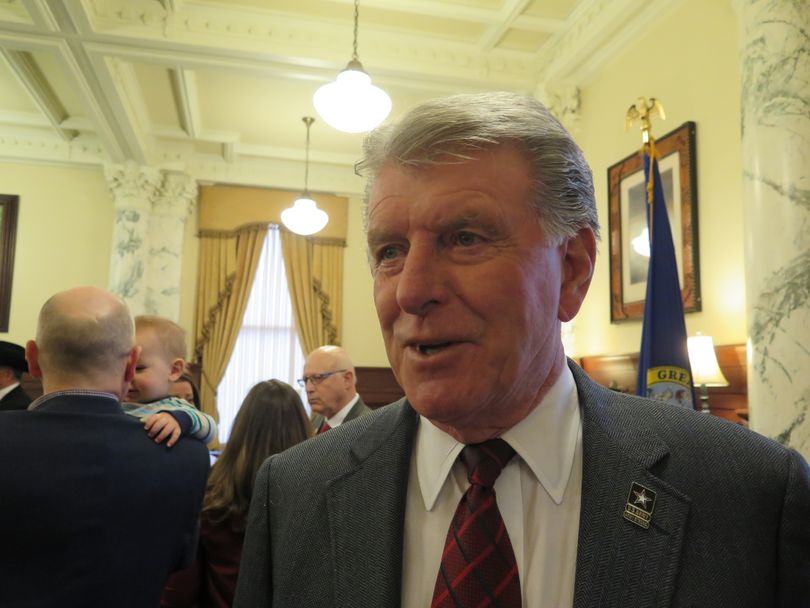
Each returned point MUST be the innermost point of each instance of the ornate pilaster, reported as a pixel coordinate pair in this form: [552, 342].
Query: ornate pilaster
[174, 202]
[562, 100]
[133, 188]
[776, 167]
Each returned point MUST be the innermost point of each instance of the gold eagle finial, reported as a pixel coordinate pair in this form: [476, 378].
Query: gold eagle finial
[643, 109]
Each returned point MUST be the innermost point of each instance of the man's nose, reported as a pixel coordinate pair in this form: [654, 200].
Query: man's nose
[421, 284]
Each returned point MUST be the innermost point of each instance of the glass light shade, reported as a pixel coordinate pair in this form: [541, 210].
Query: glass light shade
[352, 104]
[702, 359]
[304, 217]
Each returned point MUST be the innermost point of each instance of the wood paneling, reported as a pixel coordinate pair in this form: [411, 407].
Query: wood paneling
[378, 386]
[620, 372]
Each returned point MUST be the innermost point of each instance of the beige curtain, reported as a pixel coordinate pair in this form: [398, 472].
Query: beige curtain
[228, 262]
[315, 277]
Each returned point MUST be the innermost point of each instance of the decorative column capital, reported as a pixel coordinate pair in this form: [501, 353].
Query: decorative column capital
[131, 184]
[176, 196]
[563, 101]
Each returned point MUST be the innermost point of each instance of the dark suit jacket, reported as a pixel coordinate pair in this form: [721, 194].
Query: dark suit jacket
[730, 527]
[93, 513]
[16, 399]
[358, 409]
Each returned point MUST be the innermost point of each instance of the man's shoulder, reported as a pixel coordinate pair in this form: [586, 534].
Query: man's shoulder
[330, 453]
[687, 434]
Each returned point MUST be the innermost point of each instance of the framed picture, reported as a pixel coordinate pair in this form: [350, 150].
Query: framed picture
[629, 243]
[8, 238]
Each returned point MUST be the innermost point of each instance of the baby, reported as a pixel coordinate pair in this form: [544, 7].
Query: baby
[161, 362]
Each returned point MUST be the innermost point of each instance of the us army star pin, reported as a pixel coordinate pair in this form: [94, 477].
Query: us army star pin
[640, 505]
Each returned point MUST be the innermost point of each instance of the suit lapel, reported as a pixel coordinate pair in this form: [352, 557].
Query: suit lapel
[619, 562]
[366, 509]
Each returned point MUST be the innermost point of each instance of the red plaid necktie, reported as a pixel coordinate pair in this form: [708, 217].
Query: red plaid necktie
[324, 427]
[478, 566]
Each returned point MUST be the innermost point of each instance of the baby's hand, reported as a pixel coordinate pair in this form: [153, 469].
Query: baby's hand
[161, 426]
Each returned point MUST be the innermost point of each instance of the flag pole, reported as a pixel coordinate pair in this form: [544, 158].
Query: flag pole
[643, 111]
[664, 372]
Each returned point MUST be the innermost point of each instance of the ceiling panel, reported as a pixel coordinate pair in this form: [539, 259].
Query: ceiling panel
[551, 9]
[13, 97]
[156, 87]
[61, 82]
[523, 40]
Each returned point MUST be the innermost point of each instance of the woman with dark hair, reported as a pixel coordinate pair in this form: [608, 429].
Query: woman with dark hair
[270, 420]
[185, 388]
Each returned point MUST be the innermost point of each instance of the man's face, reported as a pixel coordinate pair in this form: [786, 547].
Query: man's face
[329, 395]
[153, 372]
[7, 377]
[467, 291]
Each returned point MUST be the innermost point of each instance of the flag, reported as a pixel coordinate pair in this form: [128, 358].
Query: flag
[664, 372]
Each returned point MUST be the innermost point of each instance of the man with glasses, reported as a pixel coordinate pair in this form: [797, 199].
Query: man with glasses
[330, 382]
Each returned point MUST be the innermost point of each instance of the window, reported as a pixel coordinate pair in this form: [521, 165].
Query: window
[267, 346]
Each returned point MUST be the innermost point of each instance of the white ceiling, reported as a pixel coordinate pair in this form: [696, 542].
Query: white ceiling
[218, 87]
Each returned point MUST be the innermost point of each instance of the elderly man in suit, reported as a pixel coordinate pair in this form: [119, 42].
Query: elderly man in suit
[93, 512]
[506, 477]
[331, 385]
[12, 366]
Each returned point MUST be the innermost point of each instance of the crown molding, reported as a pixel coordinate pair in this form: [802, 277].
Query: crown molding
[597, 31]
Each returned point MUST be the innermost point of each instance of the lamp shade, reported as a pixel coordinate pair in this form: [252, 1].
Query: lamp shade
[703, 360]
[304, 217]
[352, 104]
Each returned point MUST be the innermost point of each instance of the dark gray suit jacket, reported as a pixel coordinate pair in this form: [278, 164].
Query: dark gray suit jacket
[358, 409]
[730, 527]
[16, 399]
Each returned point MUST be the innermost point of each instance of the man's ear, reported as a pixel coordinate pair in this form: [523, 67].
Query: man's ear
[177, 369]
[32, 356]
[579, 258]
[132, 362]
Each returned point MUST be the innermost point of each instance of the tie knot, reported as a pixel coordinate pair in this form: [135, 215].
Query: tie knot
[485, 461]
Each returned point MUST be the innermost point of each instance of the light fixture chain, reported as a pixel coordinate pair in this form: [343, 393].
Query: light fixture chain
[356, 19]
[308, 120]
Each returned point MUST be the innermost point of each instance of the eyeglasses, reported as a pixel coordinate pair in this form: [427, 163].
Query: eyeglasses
[317, 378]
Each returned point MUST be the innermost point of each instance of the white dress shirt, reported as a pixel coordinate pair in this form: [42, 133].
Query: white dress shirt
[340, 416]
[538, 494]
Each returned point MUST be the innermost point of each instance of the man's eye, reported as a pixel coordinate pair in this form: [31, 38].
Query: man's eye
[466, 239]
[388, 253]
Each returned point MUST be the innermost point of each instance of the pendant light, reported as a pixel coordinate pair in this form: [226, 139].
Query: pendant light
[304, 217]
[352, 104]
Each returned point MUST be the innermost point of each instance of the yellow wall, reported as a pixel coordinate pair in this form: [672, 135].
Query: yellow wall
[691, 63]
[361, 332]
[64, 235]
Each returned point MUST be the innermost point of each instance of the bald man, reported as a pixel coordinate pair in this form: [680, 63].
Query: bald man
[331, 385]
[93, 511]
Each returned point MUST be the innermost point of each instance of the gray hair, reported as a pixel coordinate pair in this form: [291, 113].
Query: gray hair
[447, 130]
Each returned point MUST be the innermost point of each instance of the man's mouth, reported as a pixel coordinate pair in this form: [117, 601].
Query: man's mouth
[431, 348]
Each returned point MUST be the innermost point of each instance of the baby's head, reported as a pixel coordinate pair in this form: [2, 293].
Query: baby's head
[162, 360]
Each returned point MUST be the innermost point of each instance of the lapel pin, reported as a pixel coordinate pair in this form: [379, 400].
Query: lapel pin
[640, 505]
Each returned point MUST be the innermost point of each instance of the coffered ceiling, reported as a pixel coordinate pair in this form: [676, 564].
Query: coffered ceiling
[218, 87]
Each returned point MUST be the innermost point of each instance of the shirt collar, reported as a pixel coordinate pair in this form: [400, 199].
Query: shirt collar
[545, 440]
[8, 389]
[70, 393]
[338, 418]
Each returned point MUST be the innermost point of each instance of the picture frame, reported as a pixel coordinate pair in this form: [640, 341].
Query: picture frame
[9, 204]
[627, 219]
